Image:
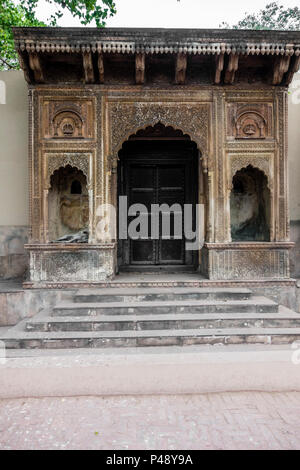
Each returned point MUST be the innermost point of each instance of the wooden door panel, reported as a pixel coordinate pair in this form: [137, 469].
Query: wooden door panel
[159, 178]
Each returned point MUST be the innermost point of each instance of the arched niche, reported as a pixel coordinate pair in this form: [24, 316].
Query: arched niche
[68, 203]
[250, 206]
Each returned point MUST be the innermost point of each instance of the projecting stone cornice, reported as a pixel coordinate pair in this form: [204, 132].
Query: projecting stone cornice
[155, 41]
[228, 48]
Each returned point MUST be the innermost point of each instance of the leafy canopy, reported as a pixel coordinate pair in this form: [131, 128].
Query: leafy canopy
[273, 16]
[23, 13]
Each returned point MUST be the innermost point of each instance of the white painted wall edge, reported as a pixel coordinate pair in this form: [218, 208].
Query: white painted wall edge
[150, 374]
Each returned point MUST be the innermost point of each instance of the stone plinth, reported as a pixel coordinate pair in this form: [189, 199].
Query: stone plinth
[69, 263]
[248, 260]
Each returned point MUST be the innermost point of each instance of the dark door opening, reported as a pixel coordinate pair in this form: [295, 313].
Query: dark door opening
[158, 172]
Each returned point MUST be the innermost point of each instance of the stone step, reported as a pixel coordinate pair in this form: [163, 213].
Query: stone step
[254, 304]
[155, 294]
[164, 322]
[104, 339]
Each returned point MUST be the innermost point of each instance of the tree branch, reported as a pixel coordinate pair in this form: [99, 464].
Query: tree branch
[8, 65]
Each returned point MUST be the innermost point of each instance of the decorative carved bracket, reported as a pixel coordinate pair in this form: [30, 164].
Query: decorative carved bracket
[294, 67]
[139, 68]
[219, 68]
[180, 68]
[232, 67]
[101, 68]
[89, 75]
[281, 66]
[35, 65]
[25, 67]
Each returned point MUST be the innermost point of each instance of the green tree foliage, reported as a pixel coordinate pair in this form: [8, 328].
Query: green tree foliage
[23, 13]
[273, 16]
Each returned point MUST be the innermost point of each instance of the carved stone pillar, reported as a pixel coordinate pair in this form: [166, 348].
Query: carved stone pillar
[221, 221]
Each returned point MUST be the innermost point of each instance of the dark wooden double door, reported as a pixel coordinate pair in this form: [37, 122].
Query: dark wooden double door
[156, 173]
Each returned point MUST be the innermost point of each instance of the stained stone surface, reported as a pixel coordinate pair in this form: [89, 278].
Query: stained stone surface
[248, 262]
[76, 265]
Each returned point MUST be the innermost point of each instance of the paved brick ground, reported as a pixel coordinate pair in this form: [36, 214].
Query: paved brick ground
[248, 420]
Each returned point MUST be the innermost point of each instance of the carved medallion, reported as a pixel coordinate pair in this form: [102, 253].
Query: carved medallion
[67, 119]
[249, 121]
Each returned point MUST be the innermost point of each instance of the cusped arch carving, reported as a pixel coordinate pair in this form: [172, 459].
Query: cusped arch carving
[250, 125]
[55, 161]
[260, 162]
[159, 130]
[129, 118]
[67, 123]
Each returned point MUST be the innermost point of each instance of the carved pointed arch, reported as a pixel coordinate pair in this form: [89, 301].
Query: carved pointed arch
[159, 131]
[251, 167]
[81, 161]
[263, 163]
[127, 119]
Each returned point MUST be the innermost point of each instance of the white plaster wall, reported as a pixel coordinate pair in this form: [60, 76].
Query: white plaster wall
[13, 149]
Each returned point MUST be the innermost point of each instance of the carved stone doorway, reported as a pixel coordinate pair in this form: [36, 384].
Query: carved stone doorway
[157, 166]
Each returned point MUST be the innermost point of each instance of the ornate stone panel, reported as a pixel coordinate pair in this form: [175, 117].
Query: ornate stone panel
[248, 261]
[219, 169]
[67, 119]
[127, 118]
[281, 167]
[50, 264]
[250, 121]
